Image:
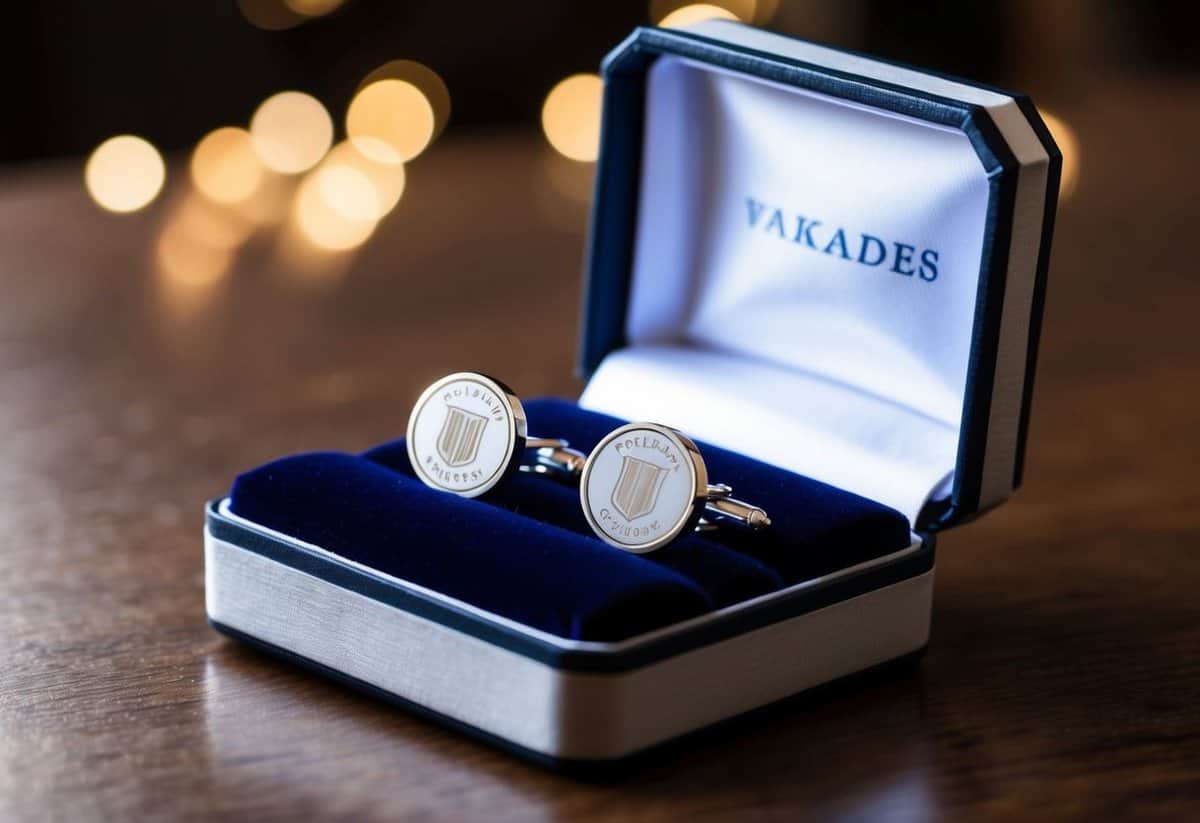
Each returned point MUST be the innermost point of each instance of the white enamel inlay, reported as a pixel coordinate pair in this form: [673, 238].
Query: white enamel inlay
[640, 488]
[462, 435]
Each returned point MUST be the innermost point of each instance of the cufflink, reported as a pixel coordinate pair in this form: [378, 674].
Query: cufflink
[467, 433]
[645, 484]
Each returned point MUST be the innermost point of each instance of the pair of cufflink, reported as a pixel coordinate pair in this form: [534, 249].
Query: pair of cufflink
[642, 486]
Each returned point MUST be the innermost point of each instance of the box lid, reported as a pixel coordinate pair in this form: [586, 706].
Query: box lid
[828, 262]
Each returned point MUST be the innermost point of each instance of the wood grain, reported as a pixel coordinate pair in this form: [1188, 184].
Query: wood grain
[1064, 673]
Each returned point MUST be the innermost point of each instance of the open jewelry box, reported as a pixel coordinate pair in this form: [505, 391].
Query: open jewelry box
[829, 271]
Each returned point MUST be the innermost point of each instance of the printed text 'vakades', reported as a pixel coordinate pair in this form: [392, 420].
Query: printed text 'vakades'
[855, 247]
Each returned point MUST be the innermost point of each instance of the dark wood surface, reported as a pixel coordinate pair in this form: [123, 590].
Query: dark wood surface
[1063, 676]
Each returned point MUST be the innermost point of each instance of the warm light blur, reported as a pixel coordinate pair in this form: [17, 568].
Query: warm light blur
[278, 15]
[1068, 144]
[763, 11]
[748, 11]
[321, 204]
[124, 173]
[211, 224]
[386, 181]
[185, 261]
[225, 166]
[291, 132]
[270, 202]
[425, 79]
[270, 15]
[196, 249]
[571, 116]
[189, 270]
[695, 13]
[339, 204]
[348, 192]
[390, 121]
[313, 8]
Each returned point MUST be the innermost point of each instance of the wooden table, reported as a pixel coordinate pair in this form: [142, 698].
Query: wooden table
[1063, 676]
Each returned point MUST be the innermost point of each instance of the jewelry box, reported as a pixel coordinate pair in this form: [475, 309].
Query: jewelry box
[827, 269]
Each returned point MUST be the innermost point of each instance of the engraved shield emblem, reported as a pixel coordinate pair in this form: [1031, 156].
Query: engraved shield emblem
[637, 487]
[458, 441]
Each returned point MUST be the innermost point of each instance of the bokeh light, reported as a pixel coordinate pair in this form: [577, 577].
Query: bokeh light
[322, 203]
[186, 262]
[390, 121]
[225, 167]
[571, 116]
[348, 192]
[270, 15]
[279, 15]
[386, 181]
[425, 79]
[124, 173]
[209, 223]
[696, 13]
[291, 132]
[340, 202]
[195, 250]
[1068, 144]
[313, 8]
[269, 204]
[748, 11]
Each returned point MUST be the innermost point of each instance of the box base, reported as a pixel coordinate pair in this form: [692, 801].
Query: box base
[548, 698]
[585, 769]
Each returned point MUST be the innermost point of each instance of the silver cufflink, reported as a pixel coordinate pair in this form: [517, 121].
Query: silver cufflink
[467, 433]
[645, 484]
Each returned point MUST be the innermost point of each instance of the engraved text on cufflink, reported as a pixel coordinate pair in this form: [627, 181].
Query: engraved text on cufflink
[467, 433]
[645, 484]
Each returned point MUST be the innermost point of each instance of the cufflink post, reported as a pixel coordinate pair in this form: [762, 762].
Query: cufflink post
[721, 508]
[553, 457]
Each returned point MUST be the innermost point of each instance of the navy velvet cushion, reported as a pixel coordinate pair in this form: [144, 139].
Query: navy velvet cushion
[549, 578]
[524, 550]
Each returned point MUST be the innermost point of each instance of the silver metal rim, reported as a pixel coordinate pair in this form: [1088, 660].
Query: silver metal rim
[517, 430]
[686, 520]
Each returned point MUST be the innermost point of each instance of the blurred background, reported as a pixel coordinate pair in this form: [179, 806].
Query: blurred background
[172, 72]
[299, 119]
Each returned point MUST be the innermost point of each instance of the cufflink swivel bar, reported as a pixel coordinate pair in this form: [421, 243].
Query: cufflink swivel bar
[720, 508]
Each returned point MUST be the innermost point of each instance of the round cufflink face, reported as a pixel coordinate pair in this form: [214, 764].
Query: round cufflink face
[464, 432]
[642, 486]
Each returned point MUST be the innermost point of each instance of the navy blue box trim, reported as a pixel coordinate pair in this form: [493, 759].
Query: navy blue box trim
[1050, 212]
[577, 767]
[989, 313]
[383, 591]
[614, 215]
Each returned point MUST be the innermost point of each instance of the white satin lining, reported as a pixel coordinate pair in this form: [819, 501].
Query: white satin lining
[851, 374]
[782, 416]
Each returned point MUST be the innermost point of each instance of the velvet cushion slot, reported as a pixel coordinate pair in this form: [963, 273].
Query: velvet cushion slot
[726, 576]
[816, 528]
[525, 551]
[552, 579]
